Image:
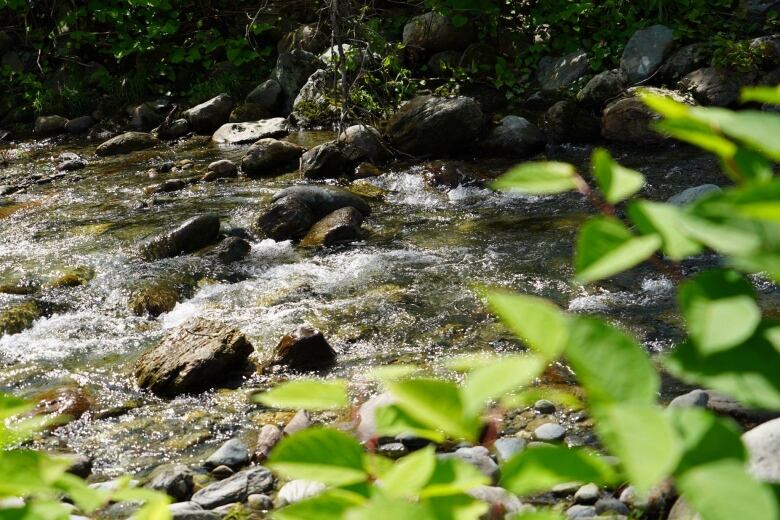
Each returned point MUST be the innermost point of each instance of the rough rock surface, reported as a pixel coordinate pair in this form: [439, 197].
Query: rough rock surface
[435, 32]
[250, 132]
[343, 225]
[209, 115]
[49, 125]
[175, 480]
[763, 445]
[197, 355]
[325, 161]
[126, 143]
[235, 489]
[194, 234]
[646, 51]
[515, 136]
[304, 349]
[603, 87]
[316, 104]
[555, 74]
[713, 86]
[363, 143]
[292, 71]
[232, 454]
[269, 157]
[683, 61]
[567, 122]
[268, 95]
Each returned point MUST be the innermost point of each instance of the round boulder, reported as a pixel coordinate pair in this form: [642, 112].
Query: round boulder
[208, 116]
[515, 136]
[269, 157]
[126, 143]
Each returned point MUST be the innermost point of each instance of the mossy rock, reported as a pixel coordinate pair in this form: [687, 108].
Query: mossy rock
[19, 317]
[18, 289]
[367, 191]
[160, 296]
[73, 278]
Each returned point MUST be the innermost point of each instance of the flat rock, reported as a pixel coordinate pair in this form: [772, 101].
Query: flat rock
[232, 454]
[235, 489]
[270, 156]
[126, 143]
[197, 355]
[250, 132]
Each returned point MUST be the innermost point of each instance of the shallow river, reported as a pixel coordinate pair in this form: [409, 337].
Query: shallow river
[404, 294]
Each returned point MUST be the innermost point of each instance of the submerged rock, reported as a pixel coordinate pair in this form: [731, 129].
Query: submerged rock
[208, 116]
[250, 132]
[160, 296]
[68, 402]
[195, 356]
[304, 349]
[269, 157]
[194, 234]
[235, 489]
[232, 249]
[126, 143]
[343, 225]
[73, 278]
[432, 125]
[19, 317]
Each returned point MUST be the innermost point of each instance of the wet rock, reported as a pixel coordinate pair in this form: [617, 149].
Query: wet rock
[268, 95]
[724, 405]
[363, 143]
[628, 119]
[268, 437]
[159, 296]
[167, 186]
[393, 450]
[515, 137]
[177, 128]
[695, 398]
[222, 472]
[210, 115]
[80, 465]
[499, 499]
[221, 169]
[317, 103]
[567, 122]
[544, 406]
[175, 480]
[549, 432]
[763, 445]
[508, 447]
[19, 317]
[450, 174]
[126, 143]
[79, 125]
[195, 356]
[69, 162]
[682, 62]
[250, 132]
[646, 51]
[556, 74]
[435, 32]
[479, 457]
[247, 112]
[232, 249]
[713, 86]
[343, 225]
[603, 87]
[611, 505]
[73, 278]
[145, 117]
[366, 170]
[49, 125]
[68, 402]
[288, 218]
[297, 491]
[304, 349]
[269, 157]
[587, 494]
[191, 511]
[693, 194]
[578, 511]
[433, 125]
[326, 161]
[292, 70]
[300, 421]
[194, 234]
[232, 454]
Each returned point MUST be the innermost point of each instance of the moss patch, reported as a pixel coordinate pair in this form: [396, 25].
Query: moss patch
[18, 318]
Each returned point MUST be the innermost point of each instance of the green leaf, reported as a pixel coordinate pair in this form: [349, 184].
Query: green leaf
[705, 438]
[493, 381]
[770, 95]
[605, 247]
[757, 130]
[11, 406]
[616, 182]
[538, 178]
[452, 476]
[383, 508]
[391, 420]
[538, 322]
[456, 507]
[330, 505]
[724, 236]
[720, 309]
[320, 454]
[308, 394]
[544, 514]
[410, 474]
[642, 437]
[749, 166]
[437, 404]
[609, 364]
[663, 220]
[86, 498]
[747, 372]
[391, 372]
[724, 491]
[25, 472]
[698, 134]
[539, 469]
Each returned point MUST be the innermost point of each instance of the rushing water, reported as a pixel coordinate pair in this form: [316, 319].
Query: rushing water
[404, 294]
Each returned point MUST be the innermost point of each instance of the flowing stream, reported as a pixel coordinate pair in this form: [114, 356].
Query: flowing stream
[404, 294]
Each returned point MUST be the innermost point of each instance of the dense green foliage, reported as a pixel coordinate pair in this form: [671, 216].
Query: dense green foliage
[730, 348]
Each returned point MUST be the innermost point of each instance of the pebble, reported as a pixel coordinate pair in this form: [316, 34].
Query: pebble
[587, 494]
[412, 443]
[259, 502]
[565, 489]
[630, 497]
[393, 450]
[508, 447]
[544, 406]
[694, 398]
[580, 511]
[222, 472]
[479, 457]
[611, 505]
[549, 432]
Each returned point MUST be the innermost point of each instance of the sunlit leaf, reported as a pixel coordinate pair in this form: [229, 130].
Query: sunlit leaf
[409, 474]
[452, 476]
[605, 247]
[664, 220]
[505, 374]
[538, 178]
[705, 438]
[616, 182]
[307, 394]
[330, 505]
[391, 420]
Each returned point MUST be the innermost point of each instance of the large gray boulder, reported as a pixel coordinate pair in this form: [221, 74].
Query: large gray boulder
[268, 94]
[683, 61]
[195, 356]
[603, 87]
[435, 32]
[646, 51]
[316, 104]
[250, 132]
[343, 225]
[714, 86]
[429, 125]
[196, 233]
[209, 115]
[49, 125]
[325, 161]
[556, 74]
[763, 445]
[515, 136]
[629, 120]
[363, 143]
[270, 157]
[235, 489]
[126, 143]
[292, 71]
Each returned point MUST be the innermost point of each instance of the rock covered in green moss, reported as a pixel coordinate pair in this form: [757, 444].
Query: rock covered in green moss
[19, 317]
[160, 296]
[73, 277]
[343, 225]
